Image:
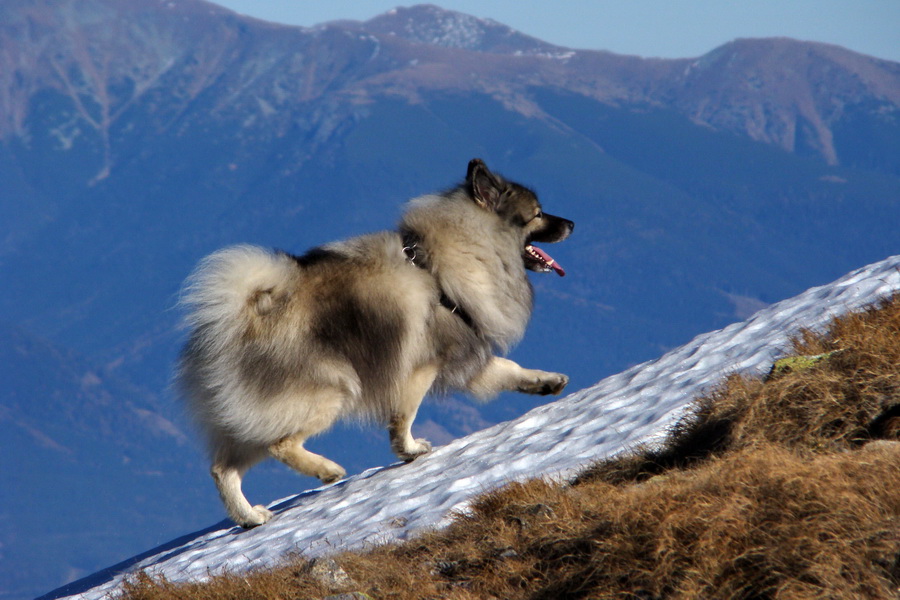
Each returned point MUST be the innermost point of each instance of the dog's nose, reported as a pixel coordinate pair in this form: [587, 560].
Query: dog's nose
[566, 226]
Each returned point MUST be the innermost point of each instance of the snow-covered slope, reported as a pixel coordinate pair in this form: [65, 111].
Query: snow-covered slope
[623, 410]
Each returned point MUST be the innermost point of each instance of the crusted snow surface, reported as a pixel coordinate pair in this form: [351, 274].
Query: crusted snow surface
[556, 439]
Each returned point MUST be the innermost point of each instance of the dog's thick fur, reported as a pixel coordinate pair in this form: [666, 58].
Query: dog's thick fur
[282, 346]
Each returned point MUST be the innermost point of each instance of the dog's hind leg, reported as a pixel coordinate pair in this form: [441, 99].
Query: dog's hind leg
[502, 374]
[324, 407]
[400, 428]
[291, 452]
[228, 471]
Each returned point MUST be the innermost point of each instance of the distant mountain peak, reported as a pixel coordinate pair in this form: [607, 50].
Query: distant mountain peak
[785, 92]
[435, 26]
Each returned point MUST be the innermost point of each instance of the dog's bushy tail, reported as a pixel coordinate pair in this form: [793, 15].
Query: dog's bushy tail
[231, 286]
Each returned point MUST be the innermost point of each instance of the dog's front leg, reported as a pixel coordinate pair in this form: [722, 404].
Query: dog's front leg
[502, 374]
[403, 443]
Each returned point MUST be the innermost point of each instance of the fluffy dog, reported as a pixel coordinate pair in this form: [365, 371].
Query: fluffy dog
[282, 346]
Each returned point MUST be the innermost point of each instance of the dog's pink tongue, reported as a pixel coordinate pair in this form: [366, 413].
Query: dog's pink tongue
[549, 260]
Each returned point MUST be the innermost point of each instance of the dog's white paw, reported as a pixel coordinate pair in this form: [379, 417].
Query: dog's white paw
[333, 472]
[257, 516]
[414, 450]
[545, 383]
[556, 384]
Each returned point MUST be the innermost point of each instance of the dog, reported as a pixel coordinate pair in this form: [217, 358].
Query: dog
[282, 346]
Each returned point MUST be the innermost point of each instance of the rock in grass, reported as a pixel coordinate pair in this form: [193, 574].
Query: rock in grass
[327, 572]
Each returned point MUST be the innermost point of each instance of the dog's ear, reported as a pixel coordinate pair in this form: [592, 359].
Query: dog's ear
[483, 185]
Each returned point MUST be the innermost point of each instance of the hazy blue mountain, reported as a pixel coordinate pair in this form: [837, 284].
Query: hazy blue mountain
[73, 441]
[138, 135]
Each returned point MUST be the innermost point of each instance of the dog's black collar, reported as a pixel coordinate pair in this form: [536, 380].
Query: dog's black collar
[416, 255]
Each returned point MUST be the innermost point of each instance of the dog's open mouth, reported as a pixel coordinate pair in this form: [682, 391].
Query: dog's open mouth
[538, 260]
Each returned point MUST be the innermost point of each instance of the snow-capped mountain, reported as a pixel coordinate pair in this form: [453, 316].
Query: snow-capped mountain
[556, 439]
[433, 26]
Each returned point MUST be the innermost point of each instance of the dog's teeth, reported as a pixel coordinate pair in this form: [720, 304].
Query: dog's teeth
[530, 249]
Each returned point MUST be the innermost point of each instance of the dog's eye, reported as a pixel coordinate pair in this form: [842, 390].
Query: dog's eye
[539, 214]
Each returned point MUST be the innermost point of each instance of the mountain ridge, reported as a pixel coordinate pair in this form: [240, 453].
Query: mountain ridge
[730, 80]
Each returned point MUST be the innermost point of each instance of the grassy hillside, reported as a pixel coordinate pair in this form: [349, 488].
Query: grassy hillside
[781, 487]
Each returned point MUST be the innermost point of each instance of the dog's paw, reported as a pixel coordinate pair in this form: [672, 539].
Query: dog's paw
[334, 472]
[257, 516]
[556, 384]
[545, 384]
[413, 451]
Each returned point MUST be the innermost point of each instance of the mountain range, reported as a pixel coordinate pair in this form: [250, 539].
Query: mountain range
[136, 136]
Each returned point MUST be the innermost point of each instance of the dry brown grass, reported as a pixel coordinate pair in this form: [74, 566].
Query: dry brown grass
[783, 488]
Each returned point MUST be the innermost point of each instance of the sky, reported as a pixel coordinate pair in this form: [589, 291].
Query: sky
[649, 28]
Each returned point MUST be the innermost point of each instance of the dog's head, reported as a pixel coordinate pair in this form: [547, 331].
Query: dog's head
[519, 207]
